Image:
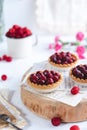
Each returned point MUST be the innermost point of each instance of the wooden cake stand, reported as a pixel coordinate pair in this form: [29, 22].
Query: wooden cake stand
[49, 108]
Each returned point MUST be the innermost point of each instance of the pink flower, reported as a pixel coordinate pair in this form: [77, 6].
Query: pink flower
[51, 46]
[81, 56]
[56, 39]
[80, 50]
[57, 47]
[80, 36]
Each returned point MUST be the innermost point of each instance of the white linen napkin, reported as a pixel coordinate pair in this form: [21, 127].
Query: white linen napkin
[4, 99]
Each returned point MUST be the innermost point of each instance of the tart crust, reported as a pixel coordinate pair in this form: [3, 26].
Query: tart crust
[45, 87]
[64, 65]
[81, 81]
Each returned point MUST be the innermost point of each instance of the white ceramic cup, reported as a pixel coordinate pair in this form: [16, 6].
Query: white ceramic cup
[21, 47]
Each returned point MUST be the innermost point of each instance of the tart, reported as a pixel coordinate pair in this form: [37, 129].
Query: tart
[44, 81]
[63, 60]
[79, 74]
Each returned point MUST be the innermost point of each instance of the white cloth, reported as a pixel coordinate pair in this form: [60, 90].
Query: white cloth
[62, 16]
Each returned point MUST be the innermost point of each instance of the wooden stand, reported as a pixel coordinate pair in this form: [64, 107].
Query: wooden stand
[48, 108]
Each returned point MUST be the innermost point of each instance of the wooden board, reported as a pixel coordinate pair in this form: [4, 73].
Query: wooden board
[47, 108]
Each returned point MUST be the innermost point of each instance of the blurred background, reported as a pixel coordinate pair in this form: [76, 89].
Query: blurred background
[45, 16]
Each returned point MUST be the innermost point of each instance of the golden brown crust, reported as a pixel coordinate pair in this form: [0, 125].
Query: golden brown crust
[45, 87]
[84, 81]
[64, 65]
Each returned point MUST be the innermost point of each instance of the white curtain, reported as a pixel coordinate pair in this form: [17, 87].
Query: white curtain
[62, 16]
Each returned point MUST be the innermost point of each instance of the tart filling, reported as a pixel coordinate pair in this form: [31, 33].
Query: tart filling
[79, 73]
[63, 59]
[44, 80]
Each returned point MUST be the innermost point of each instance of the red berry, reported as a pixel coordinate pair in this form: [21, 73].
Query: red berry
[16, 26]
[18, 32]
[4, 77]
[56, 121]
[75, 90]
[4, 57]
[74, 127]
[0, 59]
[8, 58]
[12, 30]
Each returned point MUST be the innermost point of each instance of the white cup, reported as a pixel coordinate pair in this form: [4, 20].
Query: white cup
[21, 47]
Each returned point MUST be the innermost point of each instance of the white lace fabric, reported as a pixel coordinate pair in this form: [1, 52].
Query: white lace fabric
[62, 16]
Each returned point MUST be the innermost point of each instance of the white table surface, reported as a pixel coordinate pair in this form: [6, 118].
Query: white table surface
[15, 71]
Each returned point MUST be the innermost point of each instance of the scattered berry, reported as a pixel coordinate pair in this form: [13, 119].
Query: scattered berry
[9, 59]
[4, 57]
[56, 121]
[4, 77]
[74, 127]
[75, 90]
[0, 59]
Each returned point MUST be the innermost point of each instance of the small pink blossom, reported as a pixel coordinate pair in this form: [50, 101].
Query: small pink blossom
[57, 47]
[56, 39]
[80, 50]
[51, 46]
[80, 36]
[81, 57]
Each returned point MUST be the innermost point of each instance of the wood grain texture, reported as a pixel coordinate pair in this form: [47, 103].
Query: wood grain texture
[48, 108]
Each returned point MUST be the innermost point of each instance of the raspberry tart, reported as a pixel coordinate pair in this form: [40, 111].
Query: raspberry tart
[79, 74]
[44, 81]
[63, 60]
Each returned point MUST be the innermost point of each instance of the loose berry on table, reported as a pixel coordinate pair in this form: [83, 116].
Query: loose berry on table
[0, 58]
[56, 121]
[9, 59]
[4, 77]
[75, 90]
[4, 57]
[74, 127]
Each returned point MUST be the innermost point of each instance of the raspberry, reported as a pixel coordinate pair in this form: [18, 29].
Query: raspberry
[74, 127]
[16, 26]
[18, 32]
[4, 77]
[56, 121]
[8, 59]
[75, 90]
[0, 59]
[4, 57]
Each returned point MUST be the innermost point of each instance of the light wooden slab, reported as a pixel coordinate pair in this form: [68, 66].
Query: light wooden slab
[48, 108]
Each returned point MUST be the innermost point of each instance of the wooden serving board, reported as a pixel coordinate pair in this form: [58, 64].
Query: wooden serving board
[49, 108]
